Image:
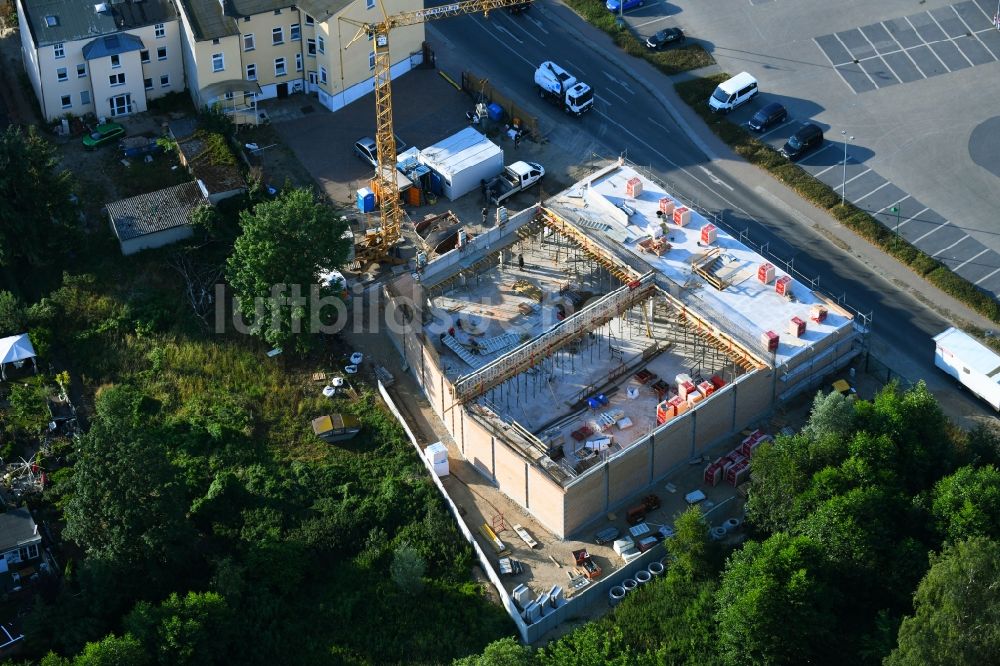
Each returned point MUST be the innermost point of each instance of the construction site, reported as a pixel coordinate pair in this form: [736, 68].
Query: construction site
[581, 350]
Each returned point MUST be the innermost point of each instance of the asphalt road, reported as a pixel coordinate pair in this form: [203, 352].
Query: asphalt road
[628, 120]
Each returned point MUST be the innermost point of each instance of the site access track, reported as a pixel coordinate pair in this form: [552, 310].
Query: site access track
[638, 114]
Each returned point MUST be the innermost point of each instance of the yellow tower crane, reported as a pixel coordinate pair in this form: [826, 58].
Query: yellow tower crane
[377, 245]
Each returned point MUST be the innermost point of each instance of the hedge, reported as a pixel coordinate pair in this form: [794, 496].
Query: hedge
[671, 61]
[695, 92]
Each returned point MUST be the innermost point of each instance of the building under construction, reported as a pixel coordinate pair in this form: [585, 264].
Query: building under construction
[583, 349]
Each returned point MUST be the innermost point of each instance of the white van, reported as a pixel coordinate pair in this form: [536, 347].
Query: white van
[732, 93]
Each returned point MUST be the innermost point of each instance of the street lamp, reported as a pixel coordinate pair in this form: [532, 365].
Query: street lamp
[843, 186]
[895, 209]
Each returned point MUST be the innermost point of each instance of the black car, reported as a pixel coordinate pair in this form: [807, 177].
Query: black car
[518, 9]
[772, 114]
[806, 138]
[665, 38]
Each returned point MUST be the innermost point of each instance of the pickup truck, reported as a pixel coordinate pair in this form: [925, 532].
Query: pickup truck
[515, 178]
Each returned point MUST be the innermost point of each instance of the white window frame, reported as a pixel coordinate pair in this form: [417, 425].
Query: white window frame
[311, 48]
[158, 50]
[116, 61]
[322, 75]
[85, 98]
[160, 30]
[120, 78]
[321, 44]
[310, 20]
[62, 74]
[284, 66]
[369, 4]
[147, 84]
[66, 101]
[144, 56]
[371, 60]
[81, 70]
[277, 36]
[59, 51]
[218, 62]
[251, 71]
[298, 62]
[249, 42]
[164, 84]
[295, 32]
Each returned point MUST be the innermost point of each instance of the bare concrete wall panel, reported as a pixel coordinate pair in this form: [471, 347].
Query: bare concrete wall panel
[628, 473]
[585, 500]
[511, 473]
[478, 447]
[753, 396]
[546, 501]
[714, 419]
[672, 446]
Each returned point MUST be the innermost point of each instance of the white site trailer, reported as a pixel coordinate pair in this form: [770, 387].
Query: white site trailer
[970, 362]
[463, 161]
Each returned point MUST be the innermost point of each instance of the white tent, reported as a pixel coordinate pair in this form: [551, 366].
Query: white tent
[15, 350]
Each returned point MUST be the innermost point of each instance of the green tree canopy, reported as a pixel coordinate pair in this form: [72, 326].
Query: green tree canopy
[191, 629]
[956, 620]
[967, 503]
[284, 246]
[692, 550]
[775, 605]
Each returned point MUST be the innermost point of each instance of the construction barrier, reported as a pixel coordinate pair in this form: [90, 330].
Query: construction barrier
[479, 87]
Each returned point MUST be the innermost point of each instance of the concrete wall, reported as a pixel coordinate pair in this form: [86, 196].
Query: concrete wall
[154, 240]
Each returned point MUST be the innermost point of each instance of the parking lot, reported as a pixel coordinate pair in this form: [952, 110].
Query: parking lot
[913, 85]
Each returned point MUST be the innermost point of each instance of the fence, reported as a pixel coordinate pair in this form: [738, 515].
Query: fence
[476, 86]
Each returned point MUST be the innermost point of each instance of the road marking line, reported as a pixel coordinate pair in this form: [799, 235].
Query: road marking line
[612, 92]
[856, 58]
[661, 126]
[604, 101]
[835, 66]
[538, 24]
[937, 228]
[893, 204]
[656, 20]
[962, 265]
[855, 201]
[826, 147]
[784, 124]
[987, 276]
[951, 246]
[850, 180]
[967, 26]
[950, 38]
[617, 79]
[832, 166]
[502, 29]
[572, 64]
[928, 45]
[912, 217]
[525, 31]
[715, 179]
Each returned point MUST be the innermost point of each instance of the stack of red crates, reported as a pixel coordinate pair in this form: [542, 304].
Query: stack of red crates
[734, 467]
[717, 381]
[752, 441]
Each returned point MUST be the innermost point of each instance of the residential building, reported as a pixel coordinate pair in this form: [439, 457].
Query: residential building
[107, 58]
[20, 547]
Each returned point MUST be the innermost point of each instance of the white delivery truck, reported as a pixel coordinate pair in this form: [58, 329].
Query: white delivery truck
[559, 86]
[973, 364]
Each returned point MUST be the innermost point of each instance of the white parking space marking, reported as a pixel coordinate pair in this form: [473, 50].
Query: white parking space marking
[872, 192]
[880, 210]
[851, 54]
[988, 276]
[937, 228]
[661, 126]
[785, 124]
[656, 20]
[912, 217]
[851, 180]
[961, 265]
[951, 246]
[832, 166]
[950, 38]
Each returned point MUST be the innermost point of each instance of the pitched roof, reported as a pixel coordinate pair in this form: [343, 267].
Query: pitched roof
[214, 19]
[111, 45]
[321, 10]
[16, 529]
[155, 211]
[54, 21]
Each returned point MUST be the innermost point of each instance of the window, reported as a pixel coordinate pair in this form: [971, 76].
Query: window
[58, 51]
[277, 12]
[252, 72]
[279, 66]
[229, 95]
[248, 43]
[147, 84]
[116, 61]
[371, 60]
[51, 21]
[143, 57]
[310, 20]
[85, 97]
[298, 62]
[215, 42]
[218, 62]
[311, 47]
[370, 4]
[321, 44]
[61, 74]
[159, 30]
[161, 53]
[295, 32]
[165, 81]
[277, 35]
[67, 102]
[116, 80]
[322, 74]
[81, 71]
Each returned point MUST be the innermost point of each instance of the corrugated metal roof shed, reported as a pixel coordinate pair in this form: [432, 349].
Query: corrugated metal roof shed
[155, 211]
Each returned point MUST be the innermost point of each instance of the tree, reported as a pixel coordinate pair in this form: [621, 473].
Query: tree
[125, 507]
[277, 260]
[832, 415]
[775, 605]
[34, 199]
[692, 549]
[407, 569]
[27, 413]
[504, 652]
[13, 319]
[112, 651]
[967, 504]
[194, 629]
[956, 619]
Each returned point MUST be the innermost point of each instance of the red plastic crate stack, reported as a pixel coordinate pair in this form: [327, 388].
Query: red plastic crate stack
[734, 467]
[752, 441]
[783, 285]
[717, 381]
[633, 187]
[708, 234]
[737, 473]
[713, 473]
[667, 206]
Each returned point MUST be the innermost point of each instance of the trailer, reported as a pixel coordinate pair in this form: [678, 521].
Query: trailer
[972, 363]
[460, 163]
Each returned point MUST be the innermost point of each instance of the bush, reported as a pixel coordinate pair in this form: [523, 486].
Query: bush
[696, 91]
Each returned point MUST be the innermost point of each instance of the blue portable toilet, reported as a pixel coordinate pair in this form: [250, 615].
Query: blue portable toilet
[437, 187]
[495, 112]
[366, 200]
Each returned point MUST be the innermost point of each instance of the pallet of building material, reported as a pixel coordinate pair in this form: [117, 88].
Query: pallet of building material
[492, 539]
[495, 344]
[528, 290]
[525, 537]
[453, 344]
[576, 583]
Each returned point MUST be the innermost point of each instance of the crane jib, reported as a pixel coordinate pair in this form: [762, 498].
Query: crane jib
[433, 11]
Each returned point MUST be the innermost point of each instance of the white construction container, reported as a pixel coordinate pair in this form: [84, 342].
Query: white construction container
[970, 362]
[462, 161]
[437, 456]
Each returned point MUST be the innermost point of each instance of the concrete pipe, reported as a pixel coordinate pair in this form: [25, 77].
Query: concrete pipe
[629, 584]
[731, 524]
[718, 533]
[656, 569]
[616, 594]
[642, 576]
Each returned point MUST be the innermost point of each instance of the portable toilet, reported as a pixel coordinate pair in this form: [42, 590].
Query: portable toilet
[366, 200]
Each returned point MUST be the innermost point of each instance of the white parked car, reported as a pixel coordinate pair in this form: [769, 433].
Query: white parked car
[357, 358]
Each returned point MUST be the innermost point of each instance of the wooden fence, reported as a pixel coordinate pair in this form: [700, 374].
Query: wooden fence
[475, 86]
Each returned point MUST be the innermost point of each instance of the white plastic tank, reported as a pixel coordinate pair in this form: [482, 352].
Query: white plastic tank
[437, 456]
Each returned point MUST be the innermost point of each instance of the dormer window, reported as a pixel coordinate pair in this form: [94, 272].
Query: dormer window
[51, 21]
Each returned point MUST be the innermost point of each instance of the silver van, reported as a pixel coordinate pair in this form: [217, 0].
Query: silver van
[732, 93]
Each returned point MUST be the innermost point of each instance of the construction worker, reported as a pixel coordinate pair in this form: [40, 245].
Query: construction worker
[486, 214]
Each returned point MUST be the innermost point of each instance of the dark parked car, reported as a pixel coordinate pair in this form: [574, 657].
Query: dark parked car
[806, 138]
[519, 9]
[138, 146]
[665, 38]
[772, 114]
